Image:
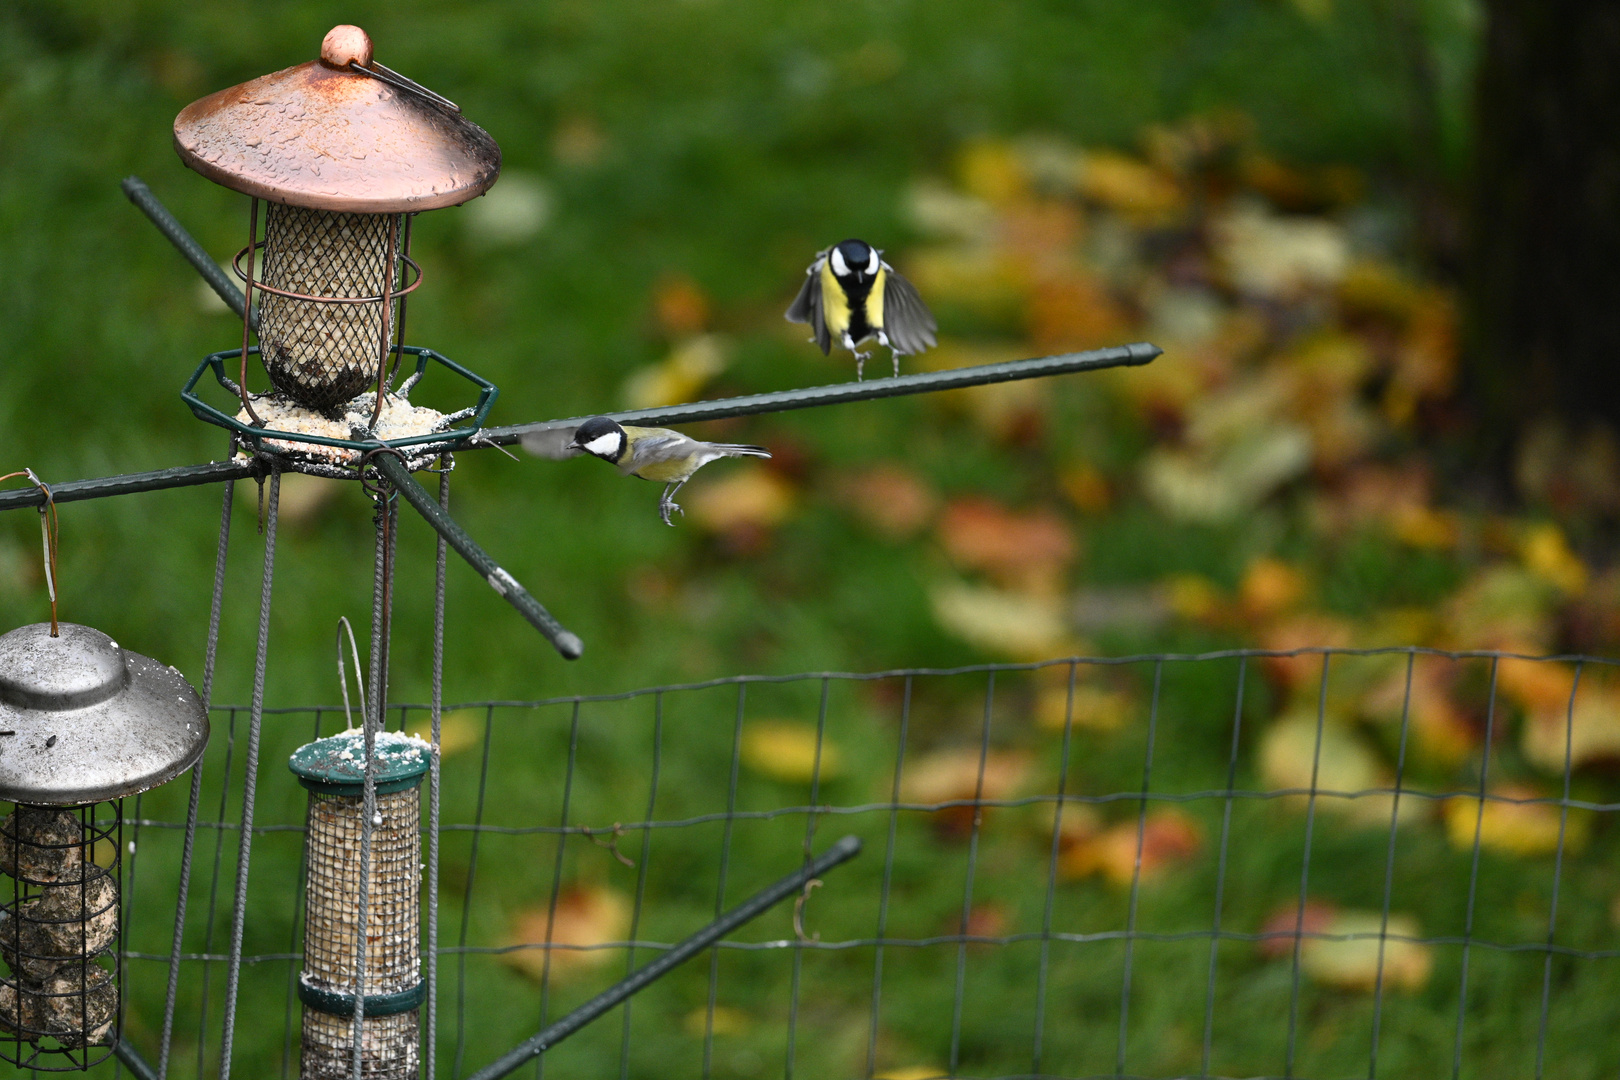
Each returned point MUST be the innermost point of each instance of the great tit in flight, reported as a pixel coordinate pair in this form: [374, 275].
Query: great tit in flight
[851, 295]
[648, 452]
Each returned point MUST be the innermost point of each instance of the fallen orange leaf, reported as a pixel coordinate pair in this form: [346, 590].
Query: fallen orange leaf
[892, 499]
[587, 916]
[957, 775]
[1164, 839]
[1028, 551]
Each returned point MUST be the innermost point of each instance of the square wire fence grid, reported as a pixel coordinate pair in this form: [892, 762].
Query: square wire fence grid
[1328, 863]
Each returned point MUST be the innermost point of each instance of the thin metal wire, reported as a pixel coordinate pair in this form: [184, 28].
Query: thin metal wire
[1220, 870]
[213, 890]
[888, 877]
[292, 932]
[1057, 799]
[972, 867]
[381, 613]
[800, 939]
[210, 657]
[1389, 870]
[430, 1026]
[1043, 967]
[1305, 867]
[556, 884]
[1136, 873]
[466, 900]
[1473, 873]
[1558, 874]
[720, 886]
[250, 778]
[641, 875]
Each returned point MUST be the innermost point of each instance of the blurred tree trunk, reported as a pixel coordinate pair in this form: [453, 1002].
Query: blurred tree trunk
[1544, 271]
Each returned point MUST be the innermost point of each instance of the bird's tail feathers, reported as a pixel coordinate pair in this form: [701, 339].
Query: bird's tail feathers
[741, 450]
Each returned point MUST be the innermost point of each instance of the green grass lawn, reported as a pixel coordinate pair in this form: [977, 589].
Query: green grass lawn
[713, 147]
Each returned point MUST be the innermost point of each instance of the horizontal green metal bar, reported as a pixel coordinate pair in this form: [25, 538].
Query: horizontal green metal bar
[870, 389]
[214, 472]
[837, 393]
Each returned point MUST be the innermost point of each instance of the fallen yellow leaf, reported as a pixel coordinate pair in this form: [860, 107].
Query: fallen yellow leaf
[1270, 587]
[1547, 555]
[786, 750]
[459, 730]
[1513, 828]
[1354, 964]
[723, 1021]
[1094, 708]
[1014, 624]
[679, 377]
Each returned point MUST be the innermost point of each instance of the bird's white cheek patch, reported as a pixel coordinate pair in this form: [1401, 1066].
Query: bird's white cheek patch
[872, 263]
[604, 445]
[840, 267]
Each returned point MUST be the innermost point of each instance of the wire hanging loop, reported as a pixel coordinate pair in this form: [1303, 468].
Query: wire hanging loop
[798, 914]
[343, 680]
[48, 528]
[377, 487]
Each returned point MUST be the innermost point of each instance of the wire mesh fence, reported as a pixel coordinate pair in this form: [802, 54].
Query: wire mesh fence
[1241, 864]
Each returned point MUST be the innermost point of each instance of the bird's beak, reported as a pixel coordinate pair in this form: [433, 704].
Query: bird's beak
[573, 445]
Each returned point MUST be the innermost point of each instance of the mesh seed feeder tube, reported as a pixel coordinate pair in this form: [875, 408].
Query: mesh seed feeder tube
[343, 151]
[83, 724]
[392, 988]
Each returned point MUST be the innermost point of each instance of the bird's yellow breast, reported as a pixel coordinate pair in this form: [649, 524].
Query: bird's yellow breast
[834, 304]
[874, 300]
[665, 472]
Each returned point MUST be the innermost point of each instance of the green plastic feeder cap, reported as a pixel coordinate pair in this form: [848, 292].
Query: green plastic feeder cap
[337, 765]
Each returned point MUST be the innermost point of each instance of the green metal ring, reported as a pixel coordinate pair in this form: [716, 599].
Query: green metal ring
[334, 1003]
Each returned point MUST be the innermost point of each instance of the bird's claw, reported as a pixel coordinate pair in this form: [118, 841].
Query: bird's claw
[664, 509]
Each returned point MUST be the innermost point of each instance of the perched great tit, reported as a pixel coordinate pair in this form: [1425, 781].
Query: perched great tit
[648, 452]
[850, 294]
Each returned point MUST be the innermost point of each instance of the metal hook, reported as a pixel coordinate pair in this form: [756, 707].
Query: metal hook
[48, 530]
[343, 681]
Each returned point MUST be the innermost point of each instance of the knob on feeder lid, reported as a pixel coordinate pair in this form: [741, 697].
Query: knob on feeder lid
[83, 720]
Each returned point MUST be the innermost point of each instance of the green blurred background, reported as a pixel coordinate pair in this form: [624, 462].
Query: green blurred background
[1054, 175]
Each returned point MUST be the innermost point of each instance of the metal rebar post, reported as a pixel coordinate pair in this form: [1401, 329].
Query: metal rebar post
[250, 778]
[645, 976]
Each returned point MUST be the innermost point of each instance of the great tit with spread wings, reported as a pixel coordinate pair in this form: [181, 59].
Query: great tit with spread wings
[651, 453]
[851, 295]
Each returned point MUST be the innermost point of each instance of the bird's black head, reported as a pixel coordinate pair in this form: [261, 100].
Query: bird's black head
[600, 437]
[854, 260]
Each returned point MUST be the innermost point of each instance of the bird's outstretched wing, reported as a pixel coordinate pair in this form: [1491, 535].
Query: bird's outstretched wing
[551, 443]
[807, 308]
[649, 445]
[907, 321]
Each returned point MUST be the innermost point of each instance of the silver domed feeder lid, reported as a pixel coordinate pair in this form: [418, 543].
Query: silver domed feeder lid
[82, 720]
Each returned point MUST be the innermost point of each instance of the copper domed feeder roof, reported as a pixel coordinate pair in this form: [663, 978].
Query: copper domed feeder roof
[326, 136]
